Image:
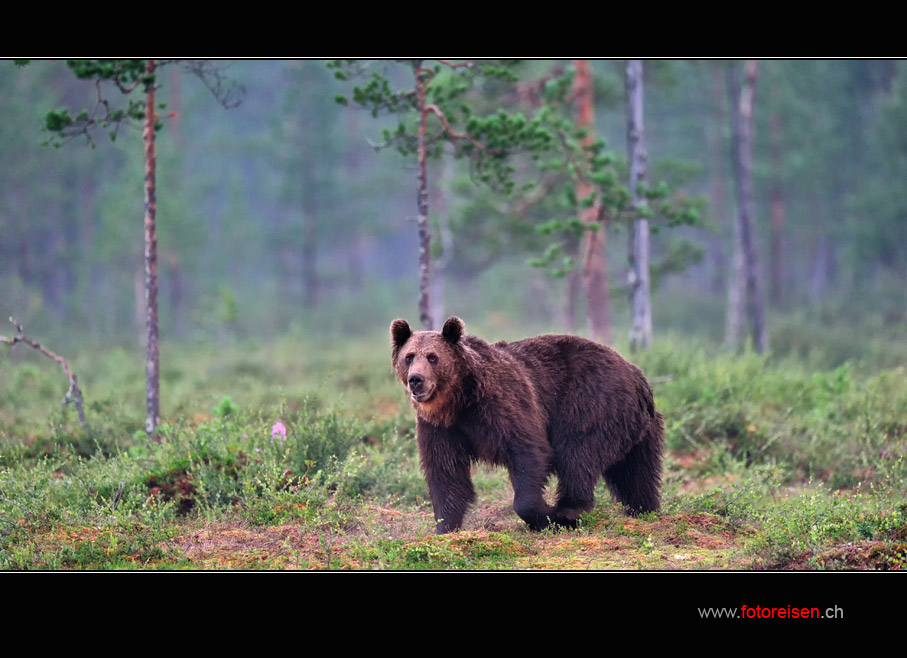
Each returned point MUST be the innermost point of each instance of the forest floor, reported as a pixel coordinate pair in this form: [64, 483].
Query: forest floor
[374, 536]
[770, 465]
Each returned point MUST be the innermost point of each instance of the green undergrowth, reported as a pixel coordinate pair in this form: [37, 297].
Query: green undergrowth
[300, 454]
[838, 426]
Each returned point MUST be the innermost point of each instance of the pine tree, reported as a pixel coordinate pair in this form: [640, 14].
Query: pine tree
[128, 75]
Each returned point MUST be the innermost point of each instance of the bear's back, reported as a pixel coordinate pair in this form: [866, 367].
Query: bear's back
[570, 372]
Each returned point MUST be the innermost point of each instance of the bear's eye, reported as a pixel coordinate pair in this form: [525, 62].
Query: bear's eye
[433, 359]
[409, 358]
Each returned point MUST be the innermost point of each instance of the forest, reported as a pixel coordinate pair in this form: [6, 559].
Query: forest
[214, 250]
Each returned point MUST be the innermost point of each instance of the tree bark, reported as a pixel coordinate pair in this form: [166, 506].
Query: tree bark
[573, 289]
[353, 165]
[736, 293]
[152, 363]
[91, 270]
[445, 235]
[717, 244]
[425, 316]
[310, 281]
[777, 255]
[744, 99]
[595, 271]
[639, 284]
[776, 260]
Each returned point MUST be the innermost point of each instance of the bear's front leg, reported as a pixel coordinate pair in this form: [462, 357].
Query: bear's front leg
[446, 464]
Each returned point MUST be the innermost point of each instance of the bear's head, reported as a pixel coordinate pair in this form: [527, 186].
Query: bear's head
[432, 368]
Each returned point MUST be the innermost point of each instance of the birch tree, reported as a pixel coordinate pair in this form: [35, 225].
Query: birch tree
[602, 199]
[639, 285]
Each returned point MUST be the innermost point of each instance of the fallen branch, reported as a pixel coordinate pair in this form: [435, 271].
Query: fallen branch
[74, 394]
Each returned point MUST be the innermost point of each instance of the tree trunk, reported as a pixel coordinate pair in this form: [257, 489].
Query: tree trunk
[598, 301]
[777, 256]
[744, 97]
[442, 208]
[353, 165]
[717, 244]
[310, 283]
[776, 261]
[736, 293]
[54, 280]
[91, 270]
[152, 365]
[176, 296]
[639, 285]
[573, 288]
[425, 316]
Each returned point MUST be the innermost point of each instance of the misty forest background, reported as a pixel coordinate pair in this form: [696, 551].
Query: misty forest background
[279, 216]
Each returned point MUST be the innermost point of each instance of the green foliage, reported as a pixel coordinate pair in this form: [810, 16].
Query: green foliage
[229, 307]
[879, 221]
[805, 524]
[530, 151]
[455, 113]
[126, 75]
[754, 410]
[579, 162]
[225, 408]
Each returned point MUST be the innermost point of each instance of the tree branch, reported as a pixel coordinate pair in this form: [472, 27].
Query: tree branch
[468, 64]
[74, 394]
[455, 136]
[229, 93]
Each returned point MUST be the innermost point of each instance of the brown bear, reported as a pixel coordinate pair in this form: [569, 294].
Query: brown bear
[550, 404]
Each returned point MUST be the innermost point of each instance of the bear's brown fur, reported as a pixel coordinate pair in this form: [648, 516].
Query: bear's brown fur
[550, 404]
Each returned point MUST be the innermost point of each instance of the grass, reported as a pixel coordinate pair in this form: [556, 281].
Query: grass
[772, 463]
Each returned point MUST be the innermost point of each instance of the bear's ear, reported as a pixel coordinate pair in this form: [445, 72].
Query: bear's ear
[453, 329]
[400, 332]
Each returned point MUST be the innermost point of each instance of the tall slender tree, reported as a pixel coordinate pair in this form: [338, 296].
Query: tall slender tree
[127, 76]
[431, 113]
[152, 347]
[743, 103]
[595, 271]
[639, 286]
[600, 195]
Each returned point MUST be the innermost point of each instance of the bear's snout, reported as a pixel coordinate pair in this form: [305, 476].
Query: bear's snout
[416, 382]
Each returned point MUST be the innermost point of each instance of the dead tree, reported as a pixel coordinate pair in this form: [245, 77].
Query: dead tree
[74, 394]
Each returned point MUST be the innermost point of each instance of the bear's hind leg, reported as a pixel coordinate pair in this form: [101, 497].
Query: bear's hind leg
[528, 475]
[575, 491]
[530, 506]
[635, 481]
